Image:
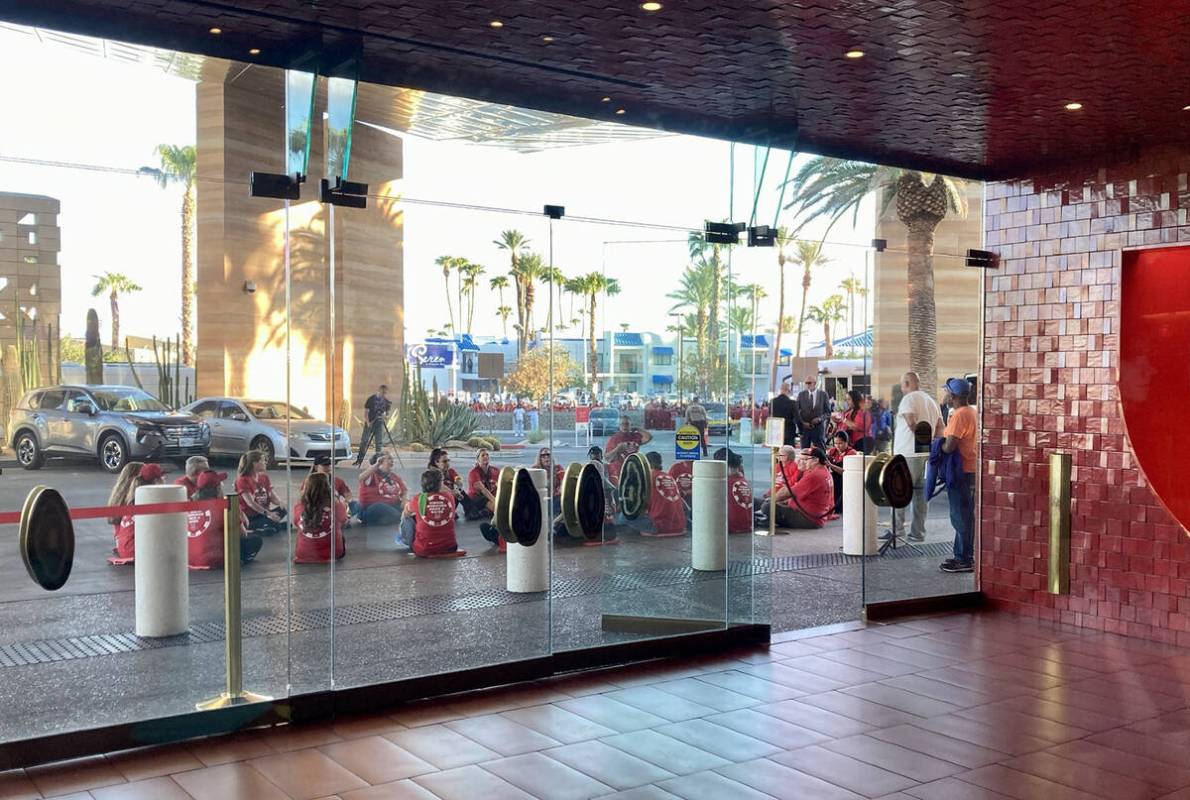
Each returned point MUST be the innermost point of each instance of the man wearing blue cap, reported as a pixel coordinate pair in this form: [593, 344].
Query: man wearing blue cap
[960, 433]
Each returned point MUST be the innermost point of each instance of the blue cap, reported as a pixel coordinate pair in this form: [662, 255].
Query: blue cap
[958, 387]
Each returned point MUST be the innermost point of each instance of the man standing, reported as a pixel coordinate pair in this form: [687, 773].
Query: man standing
[696, 415]
[376, 410]
[784, 408]
[518, 419]
[813, 407]
[622, 444]
[960, 435]
[915, 407]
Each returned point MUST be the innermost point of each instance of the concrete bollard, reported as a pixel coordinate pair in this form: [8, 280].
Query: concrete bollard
[162, 580]
[859, 512]
[708, 550]
[528, 568]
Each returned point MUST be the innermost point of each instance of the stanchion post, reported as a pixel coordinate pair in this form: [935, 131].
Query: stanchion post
[234, 694]
[773, 491]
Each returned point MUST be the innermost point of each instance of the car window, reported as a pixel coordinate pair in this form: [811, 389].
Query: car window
[126, 400]
[52, 399]
[274, 410]
[205, 409]
[228, 410]
[33, 400]
[715, 408]
[73, 396]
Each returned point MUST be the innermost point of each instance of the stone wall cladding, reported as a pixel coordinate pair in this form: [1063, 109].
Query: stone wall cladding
[1051, 355]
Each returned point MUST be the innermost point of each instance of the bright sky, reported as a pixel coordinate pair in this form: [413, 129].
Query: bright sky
[82, 109]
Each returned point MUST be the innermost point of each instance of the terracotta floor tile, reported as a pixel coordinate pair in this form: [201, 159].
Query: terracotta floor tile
[1063, 713]
[603, 710]
[784, 783]
[873, 714]
[307, 774]
[558, 723]
[546, 777]
[665, 751]
[1021, 785]
[1064, 672]
[939, 690]
[471, 783]
[794, 649]
[1157, 773]
[1125, 705]
[1113, 684]
[707, 694]
[893, 651]
[842, 770]
[900, 699]
[989, 736]
[15, 785]
[710, 786]
[667, 705]
[798, 679]
[441, 746]
[608, 764]
[1023, 724]
[582, 684]
[376, 759]
[994, 688]
[816, 719]
[285, 738]
[846, 674]
[493, 701]
[881, 665]
[76, 775]
[752, 686]
[153, 762]
[423, 712]
[1022, 677]
[953, 789]
[150, 789]
[1081, 776]
[956, 751]
[502, 735]
[1181, 794]
[640, 793]
[219, 750]
[1143, 744]
[887, 755]
[359, 726]
[236, 781]
[775, 731]
[400, 790]
[723, 742]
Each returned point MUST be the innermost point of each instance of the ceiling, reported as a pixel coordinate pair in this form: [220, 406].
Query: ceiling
[975, 88]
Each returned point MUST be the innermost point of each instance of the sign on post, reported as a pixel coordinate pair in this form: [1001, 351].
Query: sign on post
[430, 355]
[774, 432]
[687, 444]
[582, 414]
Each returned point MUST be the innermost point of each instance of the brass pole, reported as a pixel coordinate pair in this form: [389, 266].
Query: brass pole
[773, 492]
[234, 695]
[1059, 566]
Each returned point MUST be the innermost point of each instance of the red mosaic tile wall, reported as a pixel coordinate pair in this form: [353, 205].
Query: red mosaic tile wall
[1052, 346]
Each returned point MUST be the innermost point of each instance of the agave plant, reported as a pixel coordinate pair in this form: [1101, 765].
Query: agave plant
[429, 419]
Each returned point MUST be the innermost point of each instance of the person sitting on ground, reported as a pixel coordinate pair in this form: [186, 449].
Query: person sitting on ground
[204, 528]
[261, 510]
[134, 475]
[451, 480]
[834, 457]
[322, 466]
[813, 496]
[381, 492]
[785, 474]
[428, 525]
[545, 461]
[667, 512]
[195, 466]
[481, 487]
[623, 443]
[739, 496]
[683, 474]
[319, 517]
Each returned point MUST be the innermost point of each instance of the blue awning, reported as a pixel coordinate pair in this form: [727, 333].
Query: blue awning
[858, 341]
[785, 352]
[748, 341]
[666, 379]
[628, 340]
[663, 350]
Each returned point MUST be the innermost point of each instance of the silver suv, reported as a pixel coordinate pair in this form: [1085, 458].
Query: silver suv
[116, 424]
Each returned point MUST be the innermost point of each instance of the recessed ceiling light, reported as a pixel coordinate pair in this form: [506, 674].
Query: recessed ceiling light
[606, 100]
[1186, 108]
[547, 39]
[496, 23]
[853, 54]
[215, 31]
[620, 111]
[650, 6]
[1073, 106]
[255, 51]
[962, 53]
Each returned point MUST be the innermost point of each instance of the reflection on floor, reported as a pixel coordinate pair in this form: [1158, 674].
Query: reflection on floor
[984, 705]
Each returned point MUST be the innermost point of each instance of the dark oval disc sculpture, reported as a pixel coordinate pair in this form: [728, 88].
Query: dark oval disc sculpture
[636, 479]
[872, 479]
[896, 482]
[47, 538]
[525, 511]
[589, 503]
[502, 518]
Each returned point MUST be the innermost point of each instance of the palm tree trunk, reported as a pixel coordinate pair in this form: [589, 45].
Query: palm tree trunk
[801, 317]
[716, 301]
[188, 202]
[115, 301]
[592, 357]
[780, 321]
[830, 347]
[923, 318]
[851, 311]
[449, 305]
[520, 315]
[530, 289]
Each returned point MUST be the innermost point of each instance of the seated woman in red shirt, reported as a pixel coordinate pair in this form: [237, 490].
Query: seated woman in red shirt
[739, 496]
[429, 522]
[546, 462]
[667, 512]
[259, 506]
[813, 497]
[785, 474]
[204, 529]
[683, 474]
[834, 458]
[381, 492]
[319, 517]
[132, 477]
[481, 487]
[451, 480]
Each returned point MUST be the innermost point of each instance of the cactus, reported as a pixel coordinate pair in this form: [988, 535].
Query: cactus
[93, 353]
[431, 421]
[132, 366]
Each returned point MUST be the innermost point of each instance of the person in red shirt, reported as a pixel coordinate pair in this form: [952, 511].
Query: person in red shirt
[481, 487]
[322, 465]
[134, 475]
[834, 458]
[622, 444]
[204, 528]
[381, 492]
[319, 518]
[667, 512]
[451, 480]
[195, 466]
[259, 506]
[785, 474]
[857, 421]
[429, 522]
[683, 473]
[739, 496]
[813, 497]
[545, 461]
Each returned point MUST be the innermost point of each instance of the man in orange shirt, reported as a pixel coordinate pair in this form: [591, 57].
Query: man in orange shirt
[960, 434]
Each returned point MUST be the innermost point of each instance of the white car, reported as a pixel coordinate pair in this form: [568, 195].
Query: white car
[272, 426]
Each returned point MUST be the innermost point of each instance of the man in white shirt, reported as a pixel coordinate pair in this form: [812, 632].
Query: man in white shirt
[916, 406]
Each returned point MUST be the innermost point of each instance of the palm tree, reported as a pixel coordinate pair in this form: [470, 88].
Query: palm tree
[500, 283]
[852, 286]
[179, 165]
[529, 270]
[694, 294]
[591, 286]
[809, 255]
[115, 284]
[830, 187]
[471, 272]
[515, 242]
[447, 263]
[783, 239]
[554, 281]
[504, 312]
[829, 313]
[709, 256]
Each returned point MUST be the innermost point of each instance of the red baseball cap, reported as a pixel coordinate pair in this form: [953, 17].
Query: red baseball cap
[209, 477]
[151, 472]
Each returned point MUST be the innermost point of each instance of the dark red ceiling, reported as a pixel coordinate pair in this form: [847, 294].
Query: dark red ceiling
[974, 87]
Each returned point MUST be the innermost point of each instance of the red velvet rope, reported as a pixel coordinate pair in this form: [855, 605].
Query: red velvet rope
[103, 512]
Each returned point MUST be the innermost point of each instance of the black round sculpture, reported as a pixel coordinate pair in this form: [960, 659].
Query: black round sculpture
[896, 482]
[582, 501]
[502, 517]
[47, 538]
[525, 510]
[636, 481]
[872, 479]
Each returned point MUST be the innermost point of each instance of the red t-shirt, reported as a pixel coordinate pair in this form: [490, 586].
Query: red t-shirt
[434, 523]
[683, 473]
[125, 538]
[785, 474]
[479, 476]
[451, 478]
[204, 538]
[259, 487]
[341, 487]
[835, 455]
[191, 486]
[381, 487]
[559, 475]
[739, 505]
[666, 510]
[314, 542]
[815, 492]
[633, 440]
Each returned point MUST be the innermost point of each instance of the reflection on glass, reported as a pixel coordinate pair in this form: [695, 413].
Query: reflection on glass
[299, 110]
[340, 106]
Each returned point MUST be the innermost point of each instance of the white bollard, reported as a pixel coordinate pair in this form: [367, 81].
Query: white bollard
[708, 550]
[745, 432]
[528, 568]
[162, 579]
[859, 512]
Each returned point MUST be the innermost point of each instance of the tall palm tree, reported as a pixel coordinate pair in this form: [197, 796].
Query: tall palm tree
[783, 240]
[515, 243]
[852, 287]
[710, 256]
[115, 284]
[555, 283]
[503, 312]
[500, 283]
[694, 294]
[829, 313]
[830, 187]
[809, 256]
[447, 263]
[529, 270]
[471, 272]
[590, 287]
[178, 164]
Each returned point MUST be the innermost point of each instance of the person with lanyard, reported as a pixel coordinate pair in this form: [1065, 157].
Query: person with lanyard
[813, 408]
[623, 443]
[481, 487]
[428, 525]
[783, 407]
[451, 480]
[812, 498]
[960, 435]
[834, 457]
[259, 506]
[376, 410]
[696, 415]
[381, 492]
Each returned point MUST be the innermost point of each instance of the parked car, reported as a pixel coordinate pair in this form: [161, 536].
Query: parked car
[718, 420]
[274, 427]
[604, 421]
[115, 424]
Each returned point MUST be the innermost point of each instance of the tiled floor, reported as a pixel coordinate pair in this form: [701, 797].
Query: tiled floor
[977, 706]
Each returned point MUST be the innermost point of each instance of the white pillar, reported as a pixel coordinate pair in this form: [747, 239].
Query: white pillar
[859, 512]
[528, 568]
[162, 579]
[746, 430]
[708, 551]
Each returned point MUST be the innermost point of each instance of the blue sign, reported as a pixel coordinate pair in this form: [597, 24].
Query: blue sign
[430, 355]
[687, 443]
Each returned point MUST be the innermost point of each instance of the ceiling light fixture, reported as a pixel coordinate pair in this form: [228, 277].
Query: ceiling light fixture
[1186, 108]
[650, 6]
[496, 23]
[606, 100]
[547, 39]
[620, 111]
[1073, 106]
[854, 54]
[215, 31]
[255, 51]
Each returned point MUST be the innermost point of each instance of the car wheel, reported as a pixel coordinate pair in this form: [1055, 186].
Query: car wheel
[262, 444]
[29, 455]
[113, 453]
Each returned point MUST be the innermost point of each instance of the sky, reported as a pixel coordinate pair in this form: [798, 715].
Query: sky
[109, 115]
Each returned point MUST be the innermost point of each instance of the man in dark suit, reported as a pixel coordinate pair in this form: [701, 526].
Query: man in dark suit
[784, 407]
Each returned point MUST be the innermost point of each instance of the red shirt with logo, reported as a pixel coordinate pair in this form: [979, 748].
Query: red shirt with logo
[683, 473]
[785, 475]
[381, 487]
[482, 477]
[191, 486]
[633, 440]
[258, 487]
[434, 523]
[204, 538]
[835, 455]
[450, 477]
[125, 538]
[815, 492]
[739, 505]
[314, 541]
[666, 510]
